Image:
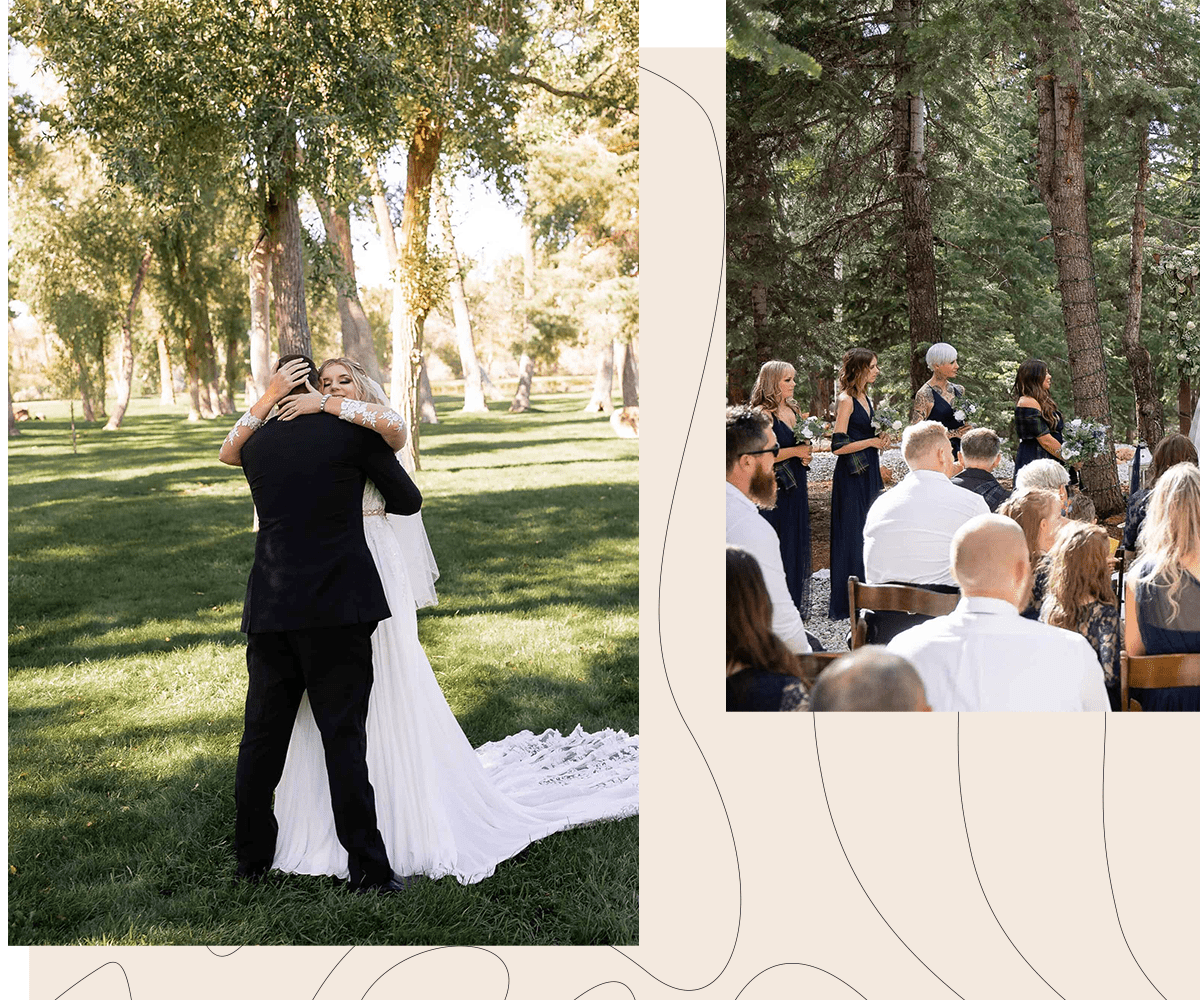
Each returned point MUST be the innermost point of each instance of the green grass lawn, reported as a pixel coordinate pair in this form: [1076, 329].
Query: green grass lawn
[127, 568]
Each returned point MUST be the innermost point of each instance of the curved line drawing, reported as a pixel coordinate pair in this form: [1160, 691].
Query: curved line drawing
[607, 982]
[1107, 863]
[504, 965]
[821, 772]
[662, 560]
[802, 965]
[971, 851]
[216, 954]
[128, 988]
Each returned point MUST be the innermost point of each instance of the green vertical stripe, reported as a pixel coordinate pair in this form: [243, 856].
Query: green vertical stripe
[682, 23]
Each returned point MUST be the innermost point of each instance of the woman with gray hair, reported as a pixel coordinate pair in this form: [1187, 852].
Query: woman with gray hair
[1044, 474]
[938, 398]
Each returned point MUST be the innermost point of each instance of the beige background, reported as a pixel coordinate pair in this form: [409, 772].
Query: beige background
[1031, 786]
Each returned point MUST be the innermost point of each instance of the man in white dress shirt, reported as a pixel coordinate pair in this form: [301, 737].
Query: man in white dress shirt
[907, 535]
[984, 656]
[750, 450]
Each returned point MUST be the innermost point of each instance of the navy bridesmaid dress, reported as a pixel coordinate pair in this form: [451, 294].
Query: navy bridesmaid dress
[1163, 633]
[789, 518]
[1031, 425]
[856, 484]
[943, 413]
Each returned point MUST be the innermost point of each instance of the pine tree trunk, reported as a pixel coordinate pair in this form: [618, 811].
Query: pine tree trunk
[1148, 404]
[1062, 183]
[629, 377]
[602, 388]
[735, 385]
[287, 272]
[1185, 405]
[166, 379]
[763, 349]
[260, 318]
[473, 401]
[908, 145]
[411, 301]
[125, 378]
[358, 343]
[520, 403]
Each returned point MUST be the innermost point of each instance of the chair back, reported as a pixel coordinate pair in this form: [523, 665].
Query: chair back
[892, 597]
[1171, 670]
[1125, 559]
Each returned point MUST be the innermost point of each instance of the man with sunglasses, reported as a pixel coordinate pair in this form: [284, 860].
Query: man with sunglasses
[750, 450]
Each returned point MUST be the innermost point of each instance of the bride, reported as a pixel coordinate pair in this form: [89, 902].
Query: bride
[443, 807]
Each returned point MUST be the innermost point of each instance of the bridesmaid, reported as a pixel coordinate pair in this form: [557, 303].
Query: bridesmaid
[773, 393]
[937, 398]
[856, 479]
[1039, 422]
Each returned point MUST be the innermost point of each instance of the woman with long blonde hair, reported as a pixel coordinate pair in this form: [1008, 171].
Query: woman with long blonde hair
[1163, 588]
[772, 393]
[1079, 596]
[856, 478]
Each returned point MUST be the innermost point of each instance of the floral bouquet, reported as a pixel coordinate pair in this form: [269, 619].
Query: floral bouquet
[811, 429]
[888, 421]
[1083, 440]
[965, 408]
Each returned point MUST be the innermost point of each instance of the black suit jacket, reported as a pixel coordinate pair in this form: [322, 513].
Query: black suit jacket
[312, 567]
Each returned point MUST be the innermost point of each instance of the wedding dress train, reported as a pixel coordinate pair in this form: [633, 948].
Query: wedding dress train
[444, 808]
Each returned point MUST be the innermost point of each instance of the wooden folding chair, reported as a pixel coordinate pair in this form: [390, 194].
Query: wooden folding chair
[1125, 559]
[892, 597]
[1173, 670]
[815, 662]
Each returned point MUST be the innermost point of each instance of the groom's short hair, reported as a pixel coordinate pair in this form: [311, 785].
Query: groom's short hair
[312, 372]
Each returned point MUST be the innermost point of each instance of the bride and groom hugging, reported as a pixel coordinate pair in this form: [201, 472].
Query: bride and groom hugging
[341, 565]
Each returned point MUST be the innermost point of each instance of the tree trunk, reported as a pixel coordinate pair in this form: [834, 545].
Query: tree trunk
[228, 355]
[758, 308]
[629, 377]
[473, 401]
[191, 361]
[383, 216]
[12, 415]
[411, 300]
[425, 397]
[1148, 404]
[166, 379]
[520, 403]
[1062, 183]
[287, 273]
[210, 394]
[358, 342]
[908, 146]
[260, 318]
[1185, 405]
[125, 379]
[735, 385]
[601, 401]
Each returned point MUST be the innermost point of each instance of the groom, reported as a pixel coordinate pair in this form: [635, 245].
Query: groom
[312, 602]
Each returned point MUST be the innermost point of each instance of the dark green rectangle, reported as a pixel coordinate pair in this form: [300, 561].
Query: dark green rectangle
[682, 23]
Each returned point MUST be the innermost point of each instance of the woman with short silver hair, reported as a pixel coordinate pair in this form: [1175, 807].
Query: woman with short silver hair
[938, 398]
[1044, 474]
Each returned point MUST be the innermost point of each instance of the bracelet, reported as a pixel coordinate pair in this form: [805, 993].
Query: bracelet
[324, 400]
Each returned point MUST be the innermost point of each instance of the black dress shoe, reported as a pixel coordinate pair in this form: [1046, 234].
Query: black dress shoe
[251, 875]
[388, 888]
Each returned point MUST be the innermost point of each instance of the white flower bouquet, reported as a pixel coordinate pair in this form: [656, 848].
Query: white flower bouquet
[811, 429]
[965, 408]
[888, 421]
[1083, 441]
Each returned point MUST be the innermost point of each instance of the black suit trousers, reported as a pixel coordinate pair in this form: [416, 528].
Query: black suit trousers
[334, 666]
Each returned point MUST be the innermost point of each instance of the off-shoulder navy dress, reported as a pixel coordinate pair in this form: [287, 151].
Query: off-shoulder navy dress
[1031, 425]
[853, 494]
[789, 518]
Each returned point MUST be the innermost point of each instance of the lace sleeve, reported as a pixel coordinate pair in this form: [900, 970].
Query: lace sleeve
[231, 450]
[379, 418]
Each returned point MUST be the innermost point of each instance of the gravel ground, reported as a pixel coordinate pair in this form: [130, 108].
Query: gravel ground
[832, 634]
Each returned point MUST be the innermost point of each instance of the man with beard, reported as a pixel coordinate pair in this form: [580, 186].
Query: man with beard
[750, 450]
[983, 656]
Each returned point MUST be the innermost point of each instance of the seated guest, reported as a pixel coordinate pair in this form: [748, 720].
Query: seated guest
[750, 450]
[761, 673]
[1163, 587]
[1171, 451]
[1044, 474]
[1039, 513]
[980, 456]
[1079, 596]
[907, 535]
[869, 680]
[984, 656]
[1082, 509]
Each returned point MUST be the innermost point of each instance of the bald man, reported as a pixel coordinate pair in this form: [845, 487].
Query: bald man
[984, 657]
[869, 680]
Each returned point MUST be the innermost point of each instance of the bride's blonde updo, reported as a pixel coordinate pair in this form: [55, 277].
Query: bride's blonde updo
[358, 375]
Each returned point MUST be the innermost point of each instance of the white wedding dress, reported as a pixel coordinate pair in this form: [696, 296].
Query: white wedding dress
[444, 808]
